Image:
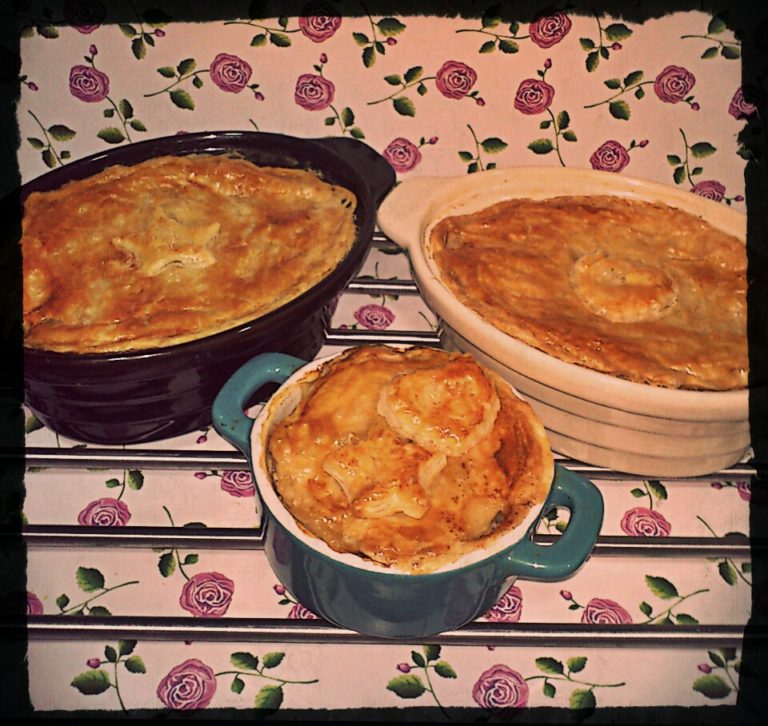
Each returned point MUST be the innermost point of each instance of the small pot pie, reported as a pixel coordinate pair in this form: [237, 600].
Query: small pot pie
[408, 457]
[638, 290]
[174, 249]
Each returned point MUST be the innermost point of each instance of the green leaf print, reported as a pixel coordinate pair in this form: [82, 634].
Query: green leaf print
[716, 25]
[582, 699]
[61, 132]
[182, 99]
[167, 564]
[728, 572]
[138, 48]
[413, 74]
[541, 146]
[445, 669]
[89, 579]
[269, 698]
[576, 663]
[493, 145]
[91, 683]
[550, 665]
[111, 134]
[125, 647]
[186, 66]
[702, 149]
[508, 46]
[711, 686]
[272, 660]
[244, 660]
[135, 479]
[404, 106]
[99, 611]
[390, 26]
[134, 664]
[661, 587]
[617, 31]
[406, 686]
[619, 110]
[432, 652]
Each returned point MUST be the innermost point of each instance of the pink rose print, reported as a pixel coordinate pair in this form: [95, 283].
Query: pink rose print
[500, 687]
[34, 606]
[84, 15]
[610, 156]
[744, 488]
[549, 27]
[188, 686]
[88, 84]
[313, 92]
[299, 612]
[644, 522]
[230, 73]
[207, 595]
[374, 317]
[533, 96]
[741, 106]
[105, 512]
[709, 189]
[238, 483]
[673, 84]
[509, 608]
[601, 611]
[402, 154]
[455, 79]
[319, 21]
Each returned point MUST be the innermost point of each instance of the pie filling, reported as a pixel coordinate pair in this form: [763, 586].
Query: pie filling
[409, 458]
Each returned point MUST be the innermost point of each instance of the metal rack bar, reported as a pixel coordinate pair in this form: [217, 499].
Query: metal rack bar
[108, 458]
[271, 630]
[55, 535]
[337, 336]
[372, 286]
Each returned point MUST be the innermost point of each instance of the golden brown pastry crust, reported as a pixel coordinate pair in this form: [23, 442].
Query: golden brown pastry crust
[174, 249]
[638, 290]
[367, 487]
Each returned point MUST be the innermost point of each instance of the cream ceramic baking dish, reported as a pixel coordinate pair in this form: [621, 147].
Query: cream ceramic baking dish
[590, 416]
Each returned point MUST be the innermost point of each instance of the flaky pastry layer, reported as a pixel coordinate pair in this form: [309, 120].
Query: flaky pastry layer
[634, 289]
[410, 458]
[175, 249]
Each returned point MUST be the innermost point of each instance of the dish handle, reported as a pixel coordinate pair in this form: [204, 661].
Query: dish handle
[373, 167]
[567, 554]
[228, 410]
[401, 213]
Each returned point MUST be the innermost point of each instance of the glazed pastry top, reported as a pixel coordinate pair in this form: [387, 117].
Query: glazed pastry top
[174, 249]
[410, 457]
[638, 290]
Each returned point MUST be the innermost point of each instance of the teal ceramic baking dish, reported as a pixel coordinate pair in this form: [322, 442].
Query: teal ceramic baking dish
[354, 593]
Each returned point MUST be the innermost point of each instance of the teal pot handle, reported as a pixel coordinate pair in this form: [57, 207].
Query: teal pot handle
[571, 549]
[228, 408]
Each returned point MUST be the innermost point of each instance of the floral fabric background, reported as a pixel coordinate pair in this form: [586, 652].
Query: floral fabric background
[662, 100]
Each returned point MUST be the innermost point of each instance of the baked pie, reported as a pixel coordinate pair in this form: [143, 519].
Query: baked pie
[638, 290]
[408, 457]
[174, 249]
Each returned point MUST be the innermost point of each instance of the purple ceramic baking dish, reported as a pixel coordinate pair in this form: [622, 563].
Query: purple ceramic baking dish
[128, 398]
